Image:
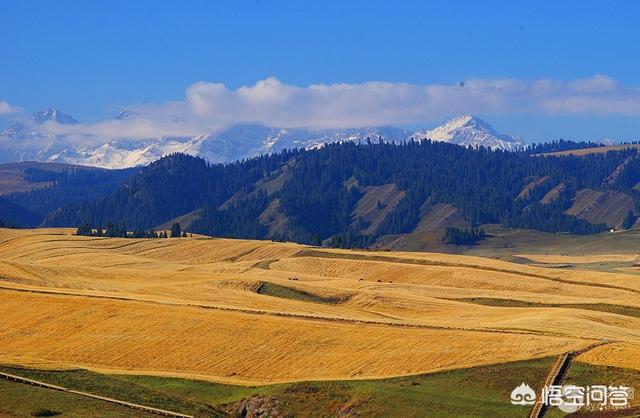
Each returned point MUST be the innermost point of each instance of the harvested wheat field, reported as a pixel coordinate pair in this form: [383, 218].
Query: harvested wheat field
[254, 312]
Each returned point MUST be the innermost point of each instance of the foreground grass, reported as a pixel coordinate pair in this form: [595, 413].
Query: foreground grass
[584, 374]
[20, 400]
[475, 392]
[479, 391]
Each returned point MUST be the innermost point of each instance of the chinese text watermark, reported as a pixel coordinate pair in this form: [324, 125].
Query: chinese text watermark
[571, 398]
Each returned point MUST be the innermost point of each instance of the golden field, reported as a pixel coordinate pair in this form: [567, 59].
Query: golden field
[255, 312]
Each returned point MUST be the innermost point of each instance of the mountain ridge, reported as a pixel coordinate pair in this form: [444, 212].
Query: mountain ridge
[31, 140]
[353, 195]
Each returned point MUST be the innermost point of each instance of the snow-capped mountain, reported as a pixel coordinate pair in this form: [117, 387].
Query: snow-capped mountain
[31, 140]
[470, 131]
[30, 127]
[52, 114]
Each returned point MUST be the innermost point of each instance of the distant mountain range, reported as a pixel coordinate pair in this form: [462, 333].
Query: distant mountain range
[31, 140]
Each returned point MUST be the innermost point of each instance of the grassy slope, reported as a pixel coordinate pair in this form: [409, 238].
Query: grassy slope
[506, 242]
[118, 387]
[474, 392]
[479, 391]
[19, 400]
[587, 374]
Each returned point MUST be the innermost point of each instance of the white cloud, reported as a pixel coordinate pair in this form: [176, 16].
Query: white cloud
[208, 107]
[7, 109]
[140, 127]
[378, 103]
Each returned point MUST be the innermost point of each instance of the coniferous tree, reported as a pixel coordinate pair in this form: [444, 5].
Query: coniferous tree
[84, 230]
[462, 236]
[629, 220]
[176, 231]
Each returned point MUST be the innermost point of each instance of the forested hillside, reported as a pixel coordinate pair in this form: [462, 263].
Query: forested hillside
[54, 186]
[561, 145]
[349, 195]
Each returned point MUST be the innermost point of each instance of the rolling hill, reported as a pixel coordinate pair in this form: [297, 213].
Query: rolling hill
[222, 327]
[113, 304]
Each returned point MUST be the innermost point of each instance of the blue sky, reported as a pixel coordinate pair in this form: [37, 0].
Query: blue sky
[92, 58]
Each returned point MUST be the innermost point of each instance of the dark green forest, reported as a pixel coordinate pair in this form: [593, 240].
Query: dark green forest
[317, 190]
[560, 145]
[69, 186]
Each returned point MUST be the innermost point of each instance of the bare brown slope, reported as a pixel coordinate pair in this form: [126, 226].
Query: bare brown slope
[618, 171]
[269, 184]
[274, 219]
[438, 217]
[531, 185]
[427, 236]
[376, 204]
[184, 220]
[608, 207]
[553, 194]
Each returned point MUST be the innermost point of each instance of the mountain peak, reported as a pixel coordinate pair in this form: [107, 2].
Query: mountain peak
[470, 131]
[464, 119]
[55, 115]
[468, 121]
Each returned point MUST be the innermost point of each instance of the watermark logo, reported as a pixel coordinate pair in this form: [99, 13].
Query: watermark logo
[523, 395]
[571, 398]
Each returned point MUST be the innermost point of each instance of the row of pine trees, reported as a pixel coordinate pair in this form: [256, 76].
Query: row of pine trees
[120, 231]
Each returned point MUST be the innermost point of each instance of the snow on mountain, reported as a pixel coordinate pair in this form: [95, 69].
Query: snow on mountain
[30, 128]
[30, 140]
[51, 114]
[18, 130]
[470, 131]
[121, 154]
[248, 140]
[607, 141]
